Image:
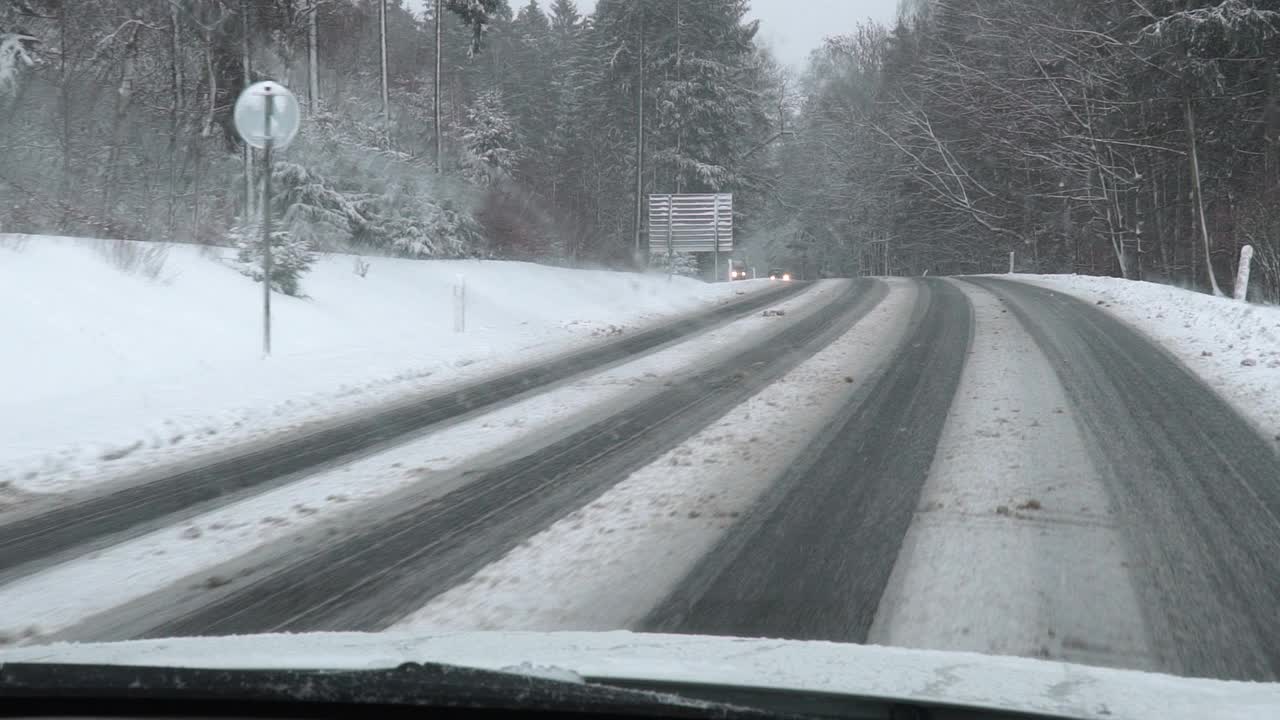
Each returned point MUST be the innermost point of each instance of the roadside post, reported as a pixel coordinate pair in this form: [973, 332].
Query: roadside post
[460, 303]
[267, 118]
[1242, 274]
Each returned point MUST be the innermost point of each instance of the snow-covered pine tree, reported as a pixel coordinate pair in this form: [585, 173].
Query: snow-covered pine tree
[313, 210]
[491, 141]
[530, 91]
[309, 213]
[707, 95]
[291, 257]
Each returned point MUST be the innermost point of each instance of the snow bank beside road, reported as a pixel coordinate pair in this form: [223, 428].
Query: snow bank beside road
[1233, 346]
[110, 371]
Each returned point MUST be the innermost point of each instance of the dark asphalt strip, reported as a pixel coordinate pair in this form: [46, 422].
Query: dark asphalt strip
[812, 560]
[35, 540]
[371, 579]
[1198, 489]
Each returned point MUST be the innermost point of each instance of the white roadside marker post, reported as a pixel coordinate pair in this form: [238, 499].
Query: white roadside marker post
[267, 117]
[1242, 273]
[460, 304]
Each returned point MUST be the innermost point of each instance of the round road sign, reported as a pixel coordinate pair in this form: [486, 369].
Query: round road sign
[251, 115]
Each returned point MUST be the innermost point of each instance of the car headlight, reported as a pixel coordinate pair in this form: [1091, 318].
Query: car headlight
[786, 276]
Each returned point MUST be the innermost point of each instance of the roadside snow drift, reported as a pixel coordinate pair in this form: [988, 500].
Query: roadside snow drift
[1234, 346]
[112, 365]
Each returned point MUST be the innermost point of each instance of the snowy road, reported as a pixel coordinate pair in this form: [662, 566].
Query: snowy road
[1197, 489]
[416, 546]
[132, 505]
[811, 561]
[971, 464]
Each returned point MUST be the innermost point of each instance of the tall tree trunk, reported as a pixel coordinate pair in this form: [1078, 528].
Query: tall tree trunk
[124, 97]
[65, 98]
[175, 117]
[205, 132]
[1157, 217]
[679, 126]
[1271, 126]
[439, 52]
[246, 151]
[382, 43]
[1199, 197]
[313, 57]
[640, 143]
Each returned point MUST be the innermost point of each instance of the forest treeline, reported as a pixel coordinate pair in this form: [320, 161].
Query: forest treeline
[1132, 138]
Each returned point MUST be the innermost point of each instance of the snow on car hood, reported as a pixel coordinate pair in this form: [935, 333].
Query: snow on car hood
[921, 675]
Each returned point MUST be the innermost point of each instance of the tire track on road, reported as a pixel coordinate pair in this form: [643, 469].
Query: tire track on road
[1199, 488]
[814, 558]
[370, 580]
[1014, 548]
[45, 536]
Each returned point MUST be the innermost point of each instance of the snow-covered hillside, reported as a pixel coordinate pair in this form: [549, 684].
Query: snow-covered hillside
[110, 369]
[1234, 346]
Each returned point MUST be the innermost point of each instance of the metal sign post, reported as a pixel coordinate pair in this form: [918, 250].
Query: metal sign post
[266, 228]
[671, 253]
[715, 235]
[267, 117]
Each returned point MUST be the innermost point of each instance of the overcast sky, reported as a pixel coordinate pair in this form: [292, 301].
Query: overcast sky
[791, 28]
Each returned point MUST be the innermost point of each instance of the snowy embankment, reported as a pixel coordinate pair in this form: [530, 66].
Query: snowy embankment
[1234, 346]
[118, 361]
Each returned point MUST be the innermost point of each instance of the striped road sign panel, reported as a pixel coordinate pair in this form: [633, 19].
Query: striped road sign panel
[691, 223]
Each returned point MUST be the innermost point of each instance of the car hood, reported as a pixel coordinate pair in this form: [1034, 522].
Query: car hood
[969, 679]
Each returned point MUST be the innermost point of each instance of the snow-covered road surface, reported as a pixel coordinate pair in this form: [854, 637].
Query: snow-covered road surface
[580, 573]
[1233, 346]
[950, 464]
[192, 550]
[1015, 547]
[327, 507]
[46, 526]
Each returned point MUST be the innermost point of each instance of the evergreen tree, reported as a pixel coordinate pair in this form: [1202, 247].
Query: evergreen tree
[491, 140]
[291, 256]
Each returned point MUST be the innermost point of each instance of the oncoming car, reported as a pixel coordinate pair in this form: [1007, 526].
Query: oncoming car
[779, 274]
[737, 270]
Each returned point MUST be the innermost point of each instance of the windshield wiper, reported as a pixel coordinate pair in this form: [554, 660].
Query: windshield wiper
[106, 690]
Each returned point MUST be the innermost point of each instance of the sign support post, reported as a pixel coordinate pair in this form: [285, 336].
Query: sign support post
[715, 237]
[671, 253]
[267, 117]
[268, 104]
